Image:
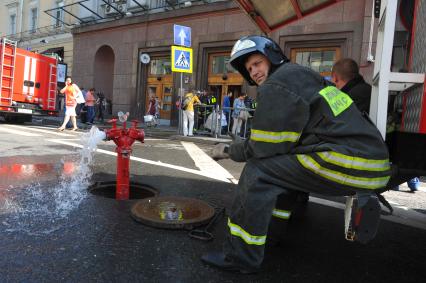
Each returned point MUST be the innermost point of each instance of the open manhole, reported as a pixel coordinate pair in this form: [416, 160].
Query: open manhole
[172, 212]
[136, 190]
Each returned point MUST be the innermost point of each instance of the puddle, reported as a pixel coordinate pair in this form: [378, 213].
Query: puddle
[43, 207]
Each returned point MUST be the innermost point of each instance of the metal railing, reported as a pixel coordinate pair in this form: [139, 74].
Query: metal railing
[211, 120]
[108, 10]
[38, 33]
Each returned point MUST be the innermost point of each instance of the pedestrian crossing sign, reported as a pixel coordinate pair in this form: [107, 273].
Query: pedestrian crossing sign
[181, 59]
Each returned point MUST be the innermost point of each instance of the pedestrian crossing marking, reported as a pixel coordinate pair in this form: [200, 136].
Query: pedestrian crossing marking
[42, 130]
[18, 132]
[181, 59]
[206, 164]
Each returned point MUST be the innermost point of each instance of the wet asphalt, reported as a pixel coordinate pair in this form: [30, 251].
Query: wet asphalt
[98, 240]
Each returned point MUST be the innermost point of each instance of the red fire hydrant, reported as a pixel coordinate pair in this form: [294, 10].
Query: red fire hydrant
[123, 138]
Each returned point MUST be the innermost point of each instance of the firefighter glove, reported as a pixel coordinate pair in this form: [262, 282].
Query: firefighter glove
[220, 151]
[235, 138]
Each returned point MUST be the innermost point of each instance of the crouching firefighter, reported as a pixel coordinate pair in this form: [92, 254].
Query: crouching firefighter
[307, 136]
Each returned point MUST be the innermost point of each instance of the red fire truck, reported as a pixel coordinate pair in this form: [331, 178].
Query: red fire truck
[28, 83]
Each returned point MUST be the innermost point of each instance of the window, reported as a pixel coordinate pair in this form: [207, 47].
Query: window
[320, 59]
[160, 66]
[400, 52]
[33, 20]
[12, 25]
[159, 4]
[220, 65]
[29, 83]
[59, 15]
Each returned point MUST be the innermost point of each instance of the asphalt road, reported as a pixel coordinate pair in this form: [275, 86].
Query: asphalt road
[52, 228]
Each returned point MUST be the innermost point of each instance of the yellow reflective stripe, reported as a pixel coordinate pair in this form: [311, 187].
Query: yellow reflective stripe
[341, 178]
[353, 162]
[274, 137]
[284, 214]
[336, 99]
[249, 239]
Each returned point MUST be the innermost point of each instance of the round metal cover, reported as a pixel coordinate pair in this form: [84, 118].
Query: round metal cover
[172, 212]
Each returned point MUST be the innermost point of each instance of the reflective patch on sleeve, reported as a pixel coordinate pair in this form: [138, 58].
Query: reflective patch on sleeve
[342, 178]
[283, 214]
[244, 235]
[274, 137]
[336, 99]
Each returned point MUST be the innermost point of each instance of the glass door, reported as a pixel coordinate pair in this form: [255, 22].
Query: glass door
[159, 83]
[152, 91]
[222, 77]
[166, 102]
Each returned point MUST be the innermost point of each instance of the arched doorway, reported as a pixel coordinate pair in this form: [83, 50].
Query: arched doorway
[104, 74]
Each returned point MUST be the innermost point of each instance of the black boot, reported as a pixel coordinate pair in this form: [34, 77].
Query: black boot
[219, 260]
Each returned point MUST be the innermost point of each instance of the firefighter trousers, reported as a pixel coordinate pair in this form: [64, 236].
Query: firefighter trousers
[268, 189]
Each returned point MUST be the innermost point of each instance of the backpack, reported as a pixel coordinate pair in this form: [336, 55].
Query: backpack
[186, 102]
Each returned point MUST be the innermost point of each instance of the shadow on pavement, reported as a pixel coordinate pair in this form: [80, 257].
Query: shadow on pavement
[99, 241]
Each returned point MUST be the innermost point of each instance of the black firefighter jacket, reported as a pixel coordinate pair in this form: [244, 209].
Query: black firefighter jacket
[299, 113]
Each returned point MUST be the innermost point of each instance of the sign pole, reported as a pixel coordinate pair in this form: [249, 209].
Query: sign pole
[181, 62]
[180, 125]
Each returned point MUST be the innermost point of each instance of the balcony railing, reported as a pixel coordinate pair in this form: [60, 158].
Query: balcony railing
[84, 12]
[38, 33]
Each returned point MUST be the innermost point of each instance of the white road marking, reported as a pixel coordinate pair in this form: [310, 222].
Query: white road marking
[205, 163]
[401, 215]
[52, 132]
[16, 132]
[152, 139]
[211, 175]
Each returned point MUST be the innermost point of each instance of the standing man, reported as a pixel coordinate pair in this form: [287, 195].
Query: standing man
[90, 105]
[226, 107]
[188, 113]
[345, 75]
[306, 136]
[100, 101]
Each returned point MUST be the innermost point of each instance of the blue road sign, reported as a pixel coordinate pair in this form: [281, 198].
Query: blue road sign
[182, 35]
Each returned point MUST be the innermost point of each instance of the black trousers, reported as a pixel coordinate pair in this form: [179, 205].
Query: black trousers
[268, 186]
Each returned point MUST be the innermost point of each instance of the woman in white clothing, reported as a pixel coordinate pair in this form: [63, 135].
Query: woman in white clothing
[238, 106]
[70, 91]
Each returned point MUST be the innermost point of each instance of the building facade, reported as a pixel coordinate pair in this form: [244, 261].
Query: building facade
[107, 54]
[109, 37]
[114, 49]
[30, 23]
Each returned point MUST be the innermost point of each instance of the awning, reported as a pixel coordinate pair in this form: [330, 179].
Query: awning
[273, 14]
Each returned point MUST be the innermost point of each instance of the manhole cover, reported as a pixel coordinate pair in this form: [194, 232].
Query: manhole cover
[172, 212]
[136, 190]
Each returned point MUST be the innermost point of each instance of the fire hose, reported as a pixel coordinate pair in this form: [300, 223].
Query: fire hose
[205, 234]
